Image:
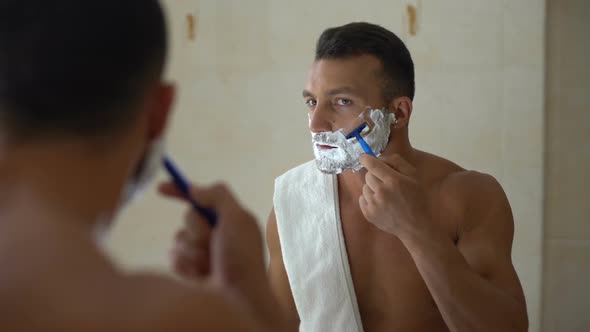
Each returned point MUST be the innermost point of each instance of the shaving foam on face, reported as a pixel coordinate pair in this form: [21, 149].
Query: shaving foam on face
[138, 182]
[346, 153]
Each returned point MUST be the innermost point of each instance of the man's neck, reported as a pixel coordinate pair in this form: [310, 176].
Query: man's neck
[64, 183]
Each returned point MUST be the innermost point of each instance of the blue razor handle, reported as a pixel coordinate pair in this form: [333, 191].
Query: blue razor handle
[182, 184]
[357, 134]
[365, 146]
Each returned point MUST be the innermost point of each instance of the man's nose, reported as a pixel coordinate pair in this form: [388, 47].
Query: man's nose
[320, 119]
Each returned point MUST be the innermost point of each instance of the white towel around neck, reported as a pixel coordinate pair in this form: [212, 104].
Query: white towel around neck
[314, 250]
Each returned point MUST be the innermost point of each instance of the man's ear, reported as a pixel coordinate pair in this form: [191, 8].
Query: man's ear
[160, 107]
[402, 108]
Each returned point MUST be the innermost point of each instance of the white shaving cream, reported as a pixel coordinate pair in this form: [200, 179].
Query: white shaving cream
[133, 188]
[345, 153]
[138, 182]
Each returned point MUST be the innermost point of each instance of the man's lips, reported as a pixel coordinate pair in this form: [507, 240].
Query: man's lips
[325, 147]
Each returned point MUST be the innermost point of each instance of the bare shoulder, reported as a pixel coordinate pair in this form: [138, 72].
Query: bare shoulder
[64, 282]
[161, 304]
[272, 233]
[471, 194]
[475, 187]
[453, 178]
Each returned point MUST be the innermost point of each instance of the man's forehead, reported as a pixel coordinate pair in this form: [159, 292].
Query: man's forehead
[353, 74]
[361, 63]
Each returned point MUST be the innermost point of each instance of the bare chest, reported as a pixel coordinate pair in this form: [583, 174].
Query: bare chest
[390, 290]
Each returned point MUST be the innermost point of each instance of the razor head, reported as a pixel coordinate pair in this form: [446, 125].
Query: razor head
[365, 116]
[362, 126]
[357, 131]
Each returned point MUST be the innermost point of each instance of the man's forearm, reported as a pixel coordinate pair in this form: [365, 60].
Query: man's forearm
[466, 301]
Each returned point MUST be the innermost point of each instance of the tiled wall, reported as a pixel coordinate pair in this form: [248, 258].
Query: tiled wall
[240, 115]
[567, 227]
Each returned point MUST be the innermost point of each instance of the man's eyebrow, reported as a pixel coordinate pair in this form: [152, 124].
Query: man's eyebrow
[345, 89]
[333, 92]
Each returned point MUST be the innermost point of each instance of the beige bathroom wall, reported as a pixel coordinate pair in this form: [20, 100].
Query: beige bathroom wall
[567, 227]
[240, 116]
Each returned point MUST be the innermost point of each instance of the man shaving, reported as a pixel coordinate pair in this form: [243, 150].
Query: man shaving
[82, 111]
[407, 241]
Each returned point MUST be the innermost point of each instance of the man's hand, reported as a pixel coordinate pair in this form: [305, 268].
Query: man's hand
[223, 253]
[230, 256]
[191, 250]
[393, 199]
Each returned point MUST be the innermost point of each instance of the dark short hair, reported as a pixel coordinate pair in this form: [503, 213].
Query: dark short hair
[356, 39]
[72, 67]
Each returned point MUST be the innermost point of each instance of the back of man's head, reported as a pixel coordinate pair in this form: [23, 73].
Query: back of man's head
[76, 68]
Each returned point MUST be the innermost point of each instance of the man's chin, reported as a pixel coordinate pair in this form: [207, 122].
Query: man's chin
[332, 168]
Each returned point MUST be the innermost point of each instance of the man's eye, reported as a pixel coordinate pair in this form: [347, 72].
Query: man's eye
[343, 102]
[311, 103]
